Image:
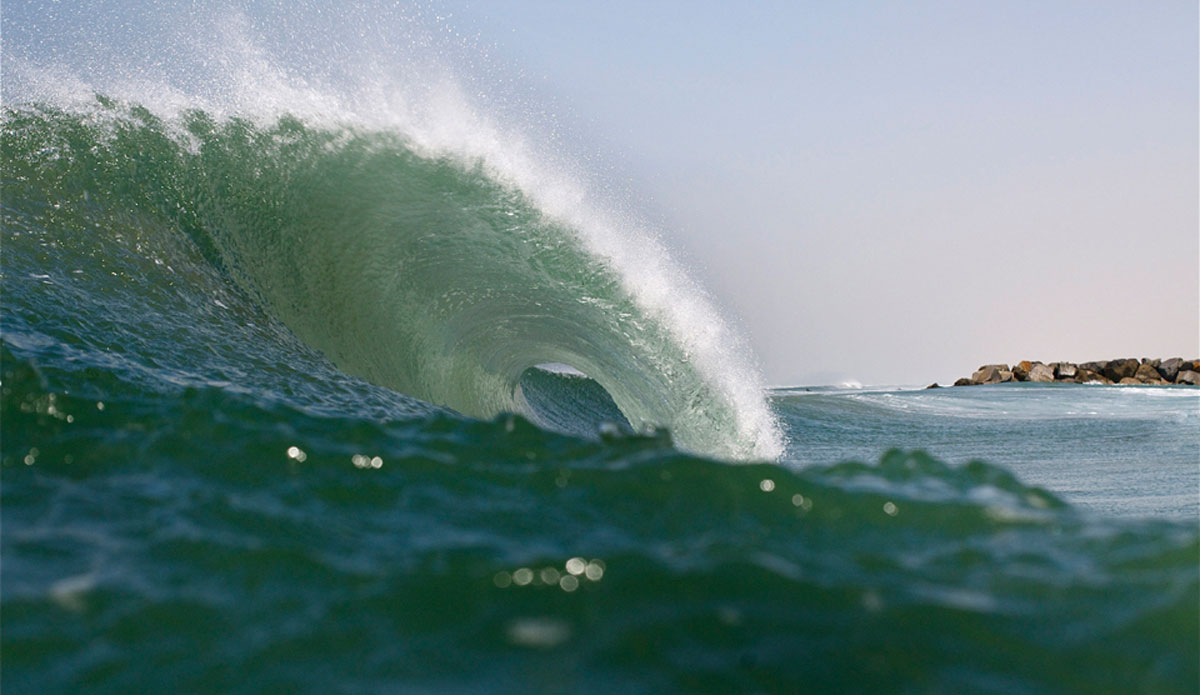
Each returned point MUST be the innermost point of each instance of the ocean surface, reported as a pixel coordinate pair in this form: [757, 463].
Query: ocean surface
[296, 400]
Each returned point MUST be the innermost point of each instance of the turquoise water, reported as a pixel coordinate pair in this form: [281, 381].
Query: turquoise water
[293, 403]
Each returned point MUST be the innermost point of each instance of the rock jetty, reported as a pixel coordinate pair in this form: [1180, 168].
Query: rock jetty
[1120, 371]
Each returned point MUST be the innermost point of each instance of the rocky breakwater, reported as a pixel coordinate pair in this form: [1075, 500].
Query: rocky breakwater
[1121, 371]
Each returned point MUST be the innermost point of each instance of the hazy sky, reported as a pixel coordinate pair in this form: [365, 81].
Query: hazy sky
[900, 192]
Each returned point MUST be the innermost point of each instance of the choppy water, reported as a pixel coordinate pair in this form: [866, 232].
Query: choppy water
[1112, 450]
[257, 377]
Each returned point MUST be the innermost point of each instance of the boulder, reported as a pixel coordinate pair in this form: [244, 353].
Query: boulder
[934, 385]
[964, 382]
[1041, 373]
[1065, 370]
[1147, 374]
[1021, 369]
[1188, 377]
[1097, 367]
[1087, 376]
[992, 374]
[1120, 369]
[1152, 362]
[1129, 381]
[1169, 368]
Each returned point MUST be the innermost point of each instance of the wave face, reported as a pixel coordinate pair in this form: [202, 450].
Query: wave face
[424, 274]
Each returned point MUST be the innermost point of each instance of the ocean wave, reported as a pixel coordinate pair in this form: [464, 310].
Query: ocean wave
[430, 275]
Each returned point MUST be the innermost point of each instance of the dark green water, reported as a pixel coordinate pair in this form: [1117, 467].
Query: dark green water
[222, 471]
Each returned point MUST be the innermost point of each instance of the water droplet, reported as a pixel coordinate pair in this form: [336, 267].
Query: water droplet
[542, 633]
[729, 615]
